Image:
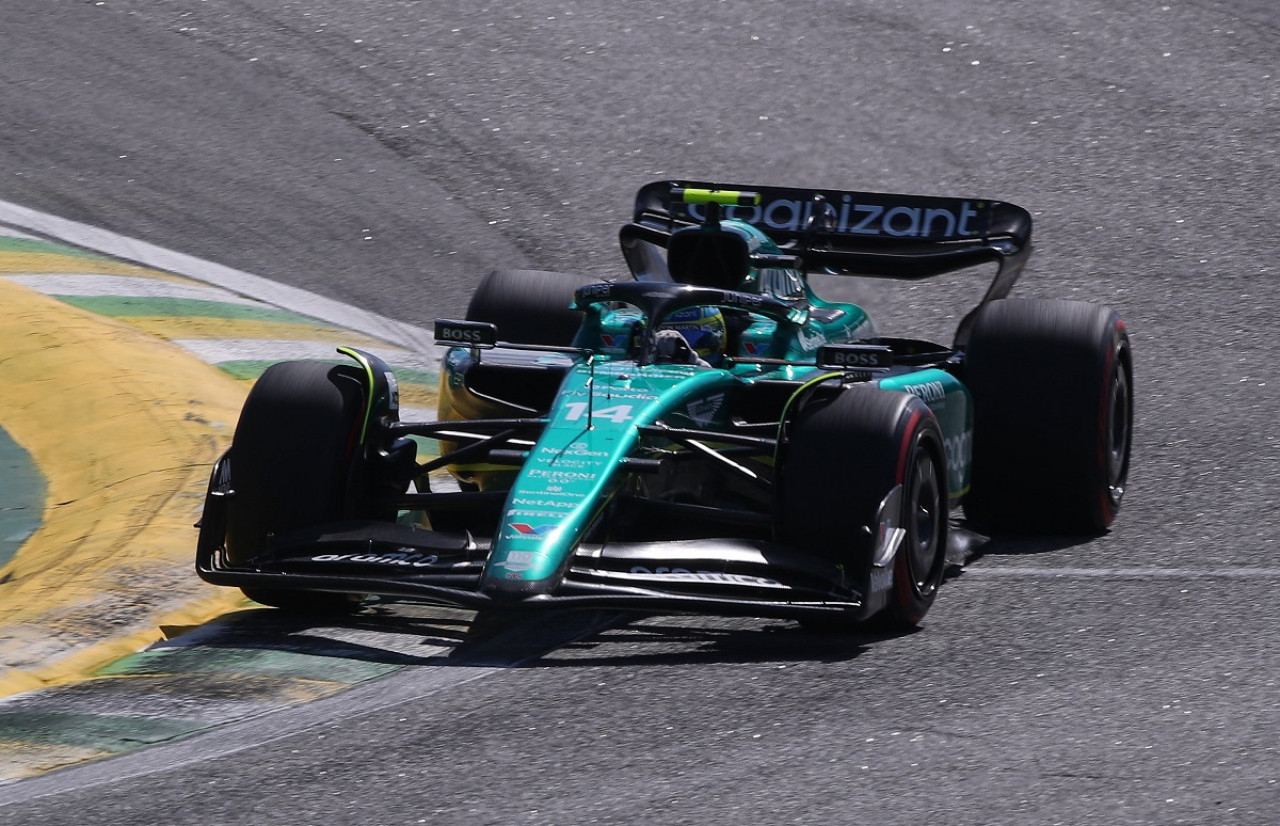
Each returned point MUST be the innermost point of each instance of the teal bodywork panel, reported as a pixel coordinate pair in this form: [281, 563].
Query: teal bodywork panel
[953, 407]
[570, 473]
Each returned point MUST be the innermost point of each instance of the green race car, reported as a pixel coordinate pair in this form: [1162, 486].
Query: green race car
[706, 436]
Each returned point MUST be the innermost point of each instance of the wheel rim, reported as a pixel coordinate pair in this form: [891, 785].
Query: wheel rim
[924, 515]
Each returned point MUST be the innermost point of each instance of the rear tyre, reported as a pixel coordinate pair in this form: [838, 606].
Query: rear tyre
[1052, 386]
[846, 453]
[529, 306]
[290, 463]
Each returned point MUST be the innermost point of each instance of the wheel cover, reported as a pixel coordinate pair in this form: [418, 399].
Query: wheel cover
[1118, 430]
[924, 515]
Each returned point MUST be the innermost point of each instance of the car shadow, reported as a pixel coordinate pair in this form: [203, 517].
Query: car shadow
[666, 640]
[411, 634]
[377, 633]
[1013, 545]
[966, 544]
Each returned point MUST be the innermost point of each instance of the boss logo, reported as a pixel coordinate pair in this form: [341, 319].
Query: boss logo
[474, 333]
[866, 357]
[453, 334]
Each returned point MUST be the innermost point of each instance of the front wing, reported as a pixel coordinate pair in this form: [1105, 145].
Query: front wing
[731, 577]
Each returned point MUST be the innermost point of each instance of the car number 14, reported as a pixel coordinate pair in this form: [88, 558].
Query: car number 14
[617, 414]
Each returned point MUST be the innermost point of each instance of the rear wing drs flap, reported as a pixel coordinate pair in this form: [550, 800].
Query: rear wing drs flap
[847, 233]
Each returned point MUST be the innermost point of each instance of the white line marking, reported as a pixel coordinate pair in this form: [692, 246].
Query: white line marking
[22, 236]
[1126, 573]
[218, 350]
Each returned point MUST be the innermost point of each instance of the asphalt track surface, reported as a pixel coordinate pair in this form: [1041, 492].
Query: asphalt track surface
[386, 154]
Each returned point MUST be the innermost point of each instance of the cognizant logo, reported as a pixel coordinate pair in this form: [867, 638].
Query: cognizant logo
[859, 219]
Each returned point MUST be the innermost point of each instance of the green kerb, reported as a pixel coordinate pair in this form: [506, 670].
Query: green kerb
[35, 245]
[93, 731]
[258, 662]
[250, 369]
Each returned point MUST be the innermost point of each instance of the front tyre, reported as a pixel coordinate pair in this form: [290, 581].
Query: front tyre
[1052, 387]
[290, 463]
[846, 454]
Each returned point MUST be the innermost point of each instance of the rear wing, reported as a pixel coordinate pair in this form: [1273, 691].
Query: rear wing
[847, 233]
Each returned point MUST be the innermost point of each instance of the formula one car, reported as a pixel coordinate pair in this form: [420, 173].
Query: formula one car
[707, 436]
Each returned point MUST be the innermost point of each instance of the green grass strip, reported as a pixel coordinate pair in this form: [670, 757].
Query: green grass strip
[36, 245]
[246, 369]
[117, 306]
[90, 731]
[251, 661]
[408, 375]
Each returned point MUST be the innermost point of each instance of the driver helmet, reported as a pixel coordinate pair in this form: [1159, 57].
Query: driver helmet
[702, 327]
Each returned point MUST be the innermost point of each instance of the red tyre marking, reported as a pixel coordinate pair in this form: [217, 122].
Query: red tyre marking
[906, 446]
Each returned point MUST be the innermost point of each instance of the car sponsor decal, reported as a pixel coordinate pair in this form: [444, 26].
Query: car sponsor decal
[844, 356]
[959, 449]
[621, 391]
[658, 372]
[809, 340]
[931, 392]
[475, 333]
[535, 514]
[525, 529]
[577, 450]
[402, 558]
[717, 577]
[562, 504]
[703, 411]
[518, 561]
[860, 219]
[560, 475]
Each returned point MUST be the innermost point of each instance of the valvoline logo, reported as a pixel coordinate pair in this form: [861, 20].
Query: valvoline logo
[525, 529]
